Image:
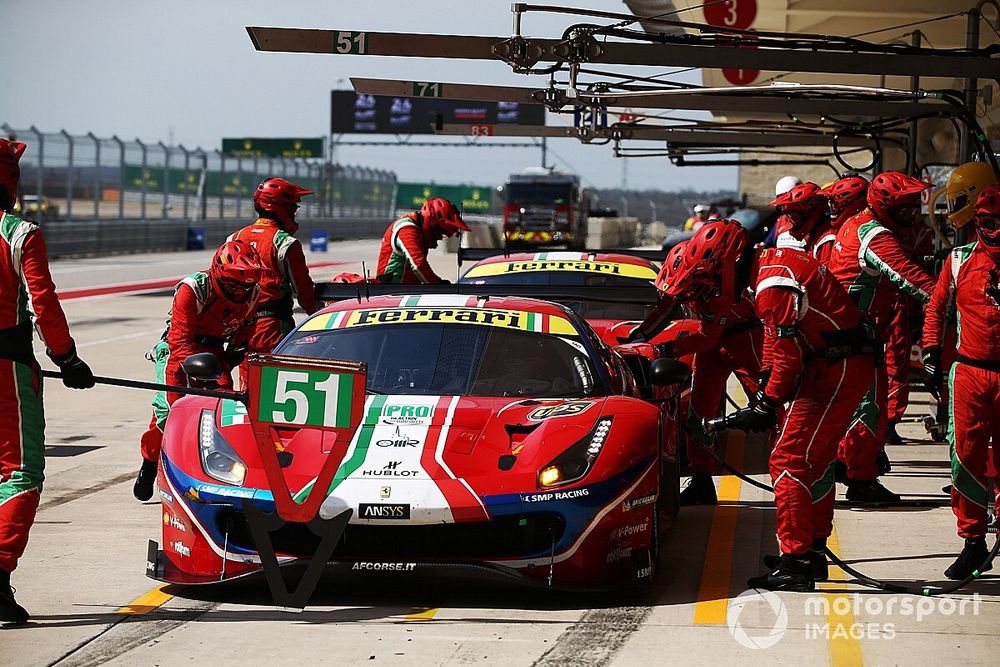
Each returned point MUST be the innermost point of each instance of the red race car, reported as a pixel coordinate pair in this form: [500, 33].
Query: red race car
[590, 268]
[496, 433]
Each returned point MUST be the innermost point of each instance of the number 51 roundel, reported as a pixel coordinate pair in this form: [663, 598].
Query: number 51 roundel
[285, 392]
[300, 391]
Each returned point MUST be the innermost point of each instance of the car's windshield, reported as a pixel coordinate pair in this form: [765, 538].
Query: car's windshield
[456, 359]
[540, 193]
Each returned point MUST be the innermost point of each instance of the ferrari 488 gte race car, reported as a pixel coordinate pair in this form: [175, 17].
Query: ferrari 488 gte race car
[493, 433]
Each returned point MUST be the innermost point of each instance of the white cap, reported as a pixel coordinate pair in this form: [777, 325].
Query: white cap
[786, 183]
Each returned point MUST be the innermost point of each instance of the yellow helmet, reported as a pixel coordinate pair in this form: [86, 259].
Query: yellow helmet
[965, 184]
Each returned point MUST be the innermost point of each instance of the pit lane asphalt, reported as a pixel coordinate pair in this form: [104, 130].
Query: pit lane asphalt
[83, 574]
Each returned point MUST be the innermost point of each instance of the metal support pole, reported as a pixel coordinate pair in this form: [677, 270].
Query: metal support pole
[544, 152]
[185, 181]
[971, 43]
[145, 184]
[40, 180]
[911, 138]
[97, 175]
[69, 177]
[121, 176]
[239, 186]
[166, 179]
[222, 184]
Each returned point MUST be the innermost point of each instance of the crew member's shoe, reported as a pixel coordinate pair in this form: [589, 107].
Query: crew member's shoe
[870, 492]
[891, 436]
[699, 491]
[819, 567]
[793, 573]
[883, 463]
[145, 481]
[10, 610]
[971, 559]
[840, 472]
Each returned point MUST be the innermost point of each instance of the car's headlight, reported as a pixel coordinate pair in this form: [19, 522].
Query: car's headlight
[574, 463]
[218, 458]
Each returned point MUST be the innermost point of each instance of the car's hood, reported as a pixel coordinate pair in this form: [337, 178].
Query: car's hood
[437, 455]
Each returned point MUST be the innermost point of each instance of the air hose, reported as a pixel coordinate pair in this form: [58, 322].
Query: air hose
[724, 423]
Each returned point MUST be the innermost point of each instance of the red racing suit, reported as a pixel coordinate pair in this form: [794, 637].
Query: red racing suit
[728, 342]
[870, 264]
[817, 358]
[25, 287]
[402, 258]
[199, 321]
[285, 276]
[970, 284]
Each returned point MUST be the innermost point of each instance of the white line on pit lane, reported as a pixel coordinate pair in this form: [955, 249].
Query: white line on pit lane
[112, 339]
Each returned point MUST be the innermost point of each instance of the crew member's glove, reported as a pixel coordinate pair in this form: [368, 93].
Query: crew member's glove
[759, 416]
[234, 354]
[76, 374]
[933, 374]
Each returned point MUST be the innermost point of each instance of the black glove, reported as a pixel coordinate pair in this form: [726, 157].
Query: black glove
[665, 350]
[76, 374]
[761, 415]
[234, 354]
[933, 374]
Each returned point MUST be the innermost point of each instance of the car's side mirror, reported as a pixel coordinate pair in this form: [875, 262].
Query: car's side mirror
[666, 371]
[202, 369]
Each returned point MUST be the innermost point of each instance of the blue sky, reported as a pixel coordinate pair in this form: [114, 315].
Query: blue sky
[148, 69]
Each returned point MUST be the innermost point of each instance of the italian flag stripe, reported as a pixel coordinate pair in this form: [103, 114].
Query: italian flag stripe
[410, 301]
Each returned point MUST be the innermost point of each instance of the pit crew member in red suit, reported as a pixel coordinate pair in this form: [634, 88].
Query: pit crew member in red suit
[26, 288]
[727, 342]
[872, 266]
[403, 255]
[970, 284]
[845, 198]
[817, 359]
[285, 273]
[213, 312]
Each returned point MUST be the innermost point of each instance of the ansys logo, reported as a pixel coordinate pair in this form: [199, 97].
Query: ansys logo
[750, 612]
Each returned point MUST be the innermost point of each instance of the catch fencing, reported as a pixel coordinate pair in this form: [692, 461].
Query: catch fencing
[80, 178]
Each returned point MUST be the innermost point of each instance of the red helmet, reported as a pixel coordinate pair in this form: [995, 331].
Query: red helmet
[894, 197]
[441, 218]
[280, 197]
[802, 206]
[671, 265]
[706, 261]
[10, 170]
[845, 197]
[988, 218]
[236, 270]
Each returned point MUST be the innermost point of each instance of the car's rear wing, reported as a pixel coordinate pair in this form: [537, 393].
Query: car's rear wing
[476, 254]
[639, 294]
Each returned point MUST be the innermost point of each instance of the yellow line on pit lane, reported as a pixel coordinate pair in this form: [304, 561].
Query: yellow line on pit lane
[146, 602]
[845, 649]
[717, 573]
[422, 614]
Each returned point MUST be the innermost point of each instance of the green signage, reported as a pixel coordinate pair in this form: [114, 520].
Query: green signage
[257, 147]
[306, 397]
[217, 183]
[468, 198]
